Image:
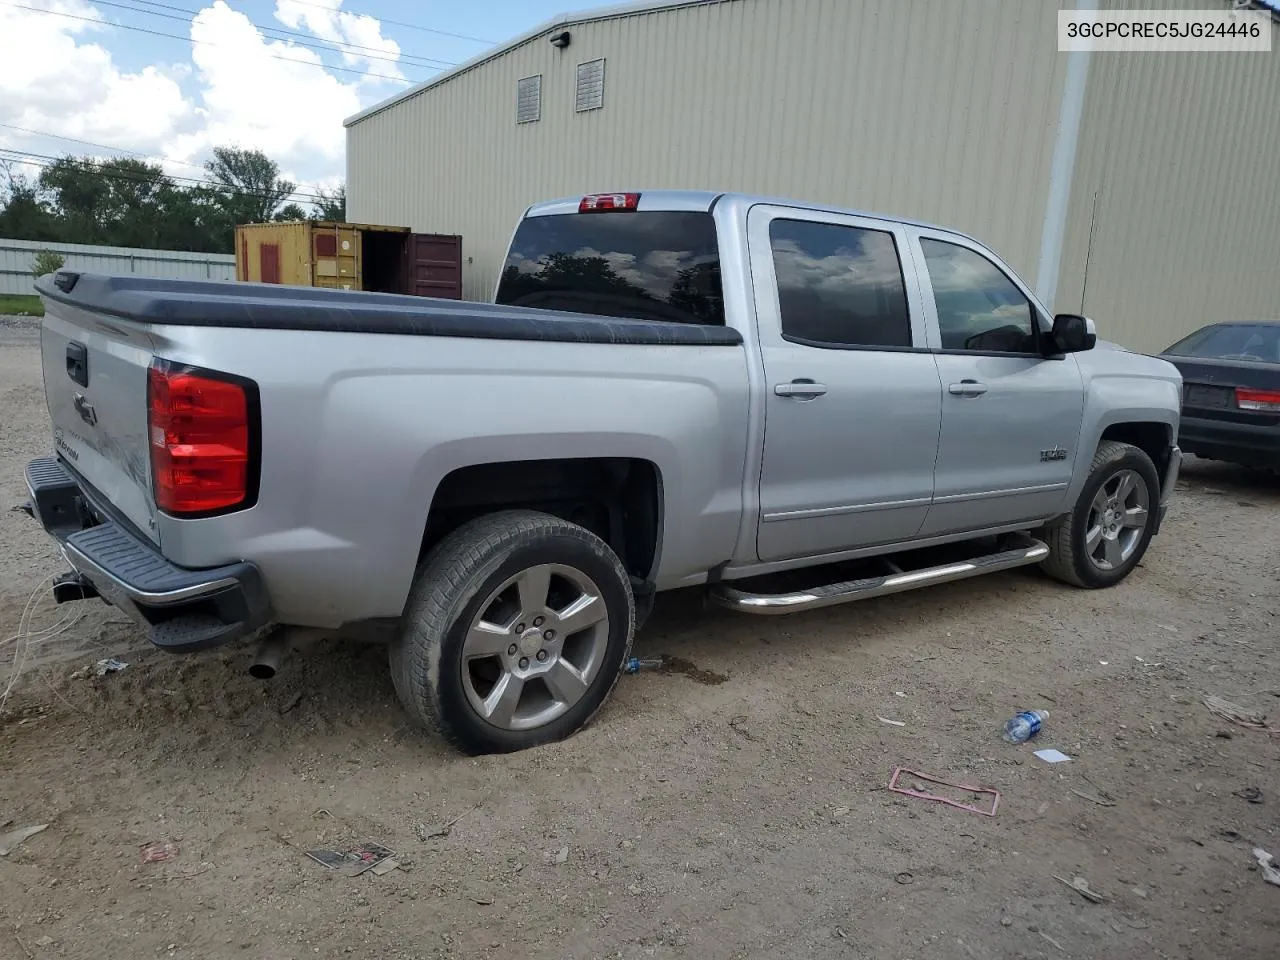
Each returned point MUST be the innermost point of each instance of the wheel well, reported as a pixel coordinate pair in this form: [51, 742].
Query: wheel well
[1153, 439]
[616, 498]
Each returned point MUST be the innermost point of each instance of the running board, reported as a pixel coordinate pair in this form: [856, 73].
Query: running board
[1027, 551]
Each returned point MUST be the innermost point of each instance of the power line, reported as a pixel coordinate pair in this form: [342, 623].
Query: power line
[207, 43]
[101, 146]
[127, 178]
[44, 161]
[132, 153]
[396, 23]
[307, 40]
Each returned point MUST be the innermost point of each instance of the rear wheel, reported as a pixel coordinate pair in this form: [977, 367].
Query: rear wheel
[514, 634]
[1105, 536]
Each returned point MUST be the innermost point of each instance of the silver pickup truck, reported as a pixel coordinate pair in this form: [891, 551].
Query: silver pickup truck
[672, 389]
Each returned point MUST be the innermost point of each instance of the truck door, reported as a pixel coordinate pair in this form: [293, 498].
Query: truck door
[1010, 416]
[854, 400]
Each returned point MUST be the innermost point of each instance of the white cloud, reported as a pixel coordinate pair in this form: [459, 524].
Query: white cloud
[327, 21]
[58, 77]
[289, 108]
[232, 86]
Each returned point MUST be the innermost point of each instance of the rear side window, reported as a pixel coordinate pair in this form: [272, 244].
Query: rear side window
[1232, 341]
[647, 265]
[839, 286]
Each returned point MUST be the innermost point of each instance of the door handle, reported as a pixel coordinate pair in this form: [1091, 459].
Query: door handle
[800, 389]
[967, 388]
[78, 363]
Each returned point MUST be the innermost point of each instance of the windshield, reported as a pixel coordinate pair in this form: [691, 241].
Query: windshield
[1232, 341]
[651, 265]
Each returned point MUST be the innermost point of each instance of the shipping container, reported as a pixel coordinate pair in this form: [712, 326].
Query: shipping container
[350, 256]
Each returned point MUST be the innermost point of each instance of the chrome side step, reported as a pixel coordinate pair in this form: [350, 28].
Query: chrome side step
[1027, 551]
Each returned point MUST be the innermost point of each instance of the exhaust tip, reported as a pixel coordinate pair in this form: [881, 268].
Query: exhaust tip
[266, 663]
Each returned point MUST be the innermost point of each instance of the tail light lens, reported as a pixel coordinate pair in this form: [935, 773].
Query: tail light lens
[203, 428]
[1267, 400]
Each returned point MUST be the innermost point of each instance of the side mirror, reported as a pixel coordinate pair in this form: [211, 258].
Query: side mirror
[1072, 333]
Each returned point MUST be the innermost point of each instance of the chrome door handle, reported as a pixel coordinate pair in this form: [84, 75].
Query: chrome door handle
[967, 388]
[800, 389]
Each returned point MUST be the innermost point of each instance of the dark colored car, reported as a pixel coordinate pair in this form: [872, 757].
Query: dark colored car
[1231, 392]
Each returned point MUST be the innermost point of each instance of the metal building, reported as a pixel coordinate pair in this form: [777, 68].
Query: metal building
[1140, 188]
[17, 256]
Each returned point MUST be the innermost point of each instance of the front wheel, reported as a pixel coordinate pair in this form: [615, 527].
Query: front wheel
[515, 632]
[1105, 536]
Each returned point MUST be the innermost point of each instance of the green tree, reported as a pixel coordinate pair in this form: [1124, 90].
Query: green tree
[46, 261]
[290, 212]
[196, 219]
[119, 201]
[250, 182]
[24, 212]
[332, 205]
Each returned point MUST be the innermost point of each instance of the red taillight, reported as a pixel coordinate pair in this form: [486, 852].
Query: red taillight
[1267, 400]
[201, 442]
[600, 202]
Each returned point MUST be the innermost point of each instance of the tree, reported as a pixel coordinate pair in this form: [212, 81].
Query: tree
[46, 261]
[24, 213]
[290, 212]
[117, 201]
[250, 181]
[332, 205]
[196, 220]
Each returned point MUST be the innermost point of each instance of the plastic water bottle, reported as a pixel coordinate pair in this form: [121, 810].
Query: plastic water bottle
[635, 664]
[1025, 725]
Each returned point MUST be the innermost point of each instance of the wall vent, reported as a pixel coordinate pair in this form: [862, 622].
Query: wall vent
[590, 94]
[529, 99]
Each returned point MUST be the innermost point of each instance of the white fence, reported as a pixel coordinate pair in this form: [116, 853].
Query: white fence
[16, 257]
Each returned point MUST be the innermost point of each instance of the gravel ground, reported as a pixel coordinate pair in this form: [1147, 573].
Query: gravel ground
[735, 810]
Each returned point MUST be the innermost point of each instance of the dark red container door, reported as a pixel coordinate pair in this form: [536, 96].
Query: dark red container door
[434, 266]
[269, 262]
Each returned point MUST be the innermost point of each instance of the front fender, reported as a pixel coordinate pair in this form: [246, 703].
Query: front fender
[1113, 399]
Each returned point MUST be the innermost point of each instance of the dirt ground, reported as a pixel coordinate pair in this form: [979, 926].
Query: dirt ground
[695, 818]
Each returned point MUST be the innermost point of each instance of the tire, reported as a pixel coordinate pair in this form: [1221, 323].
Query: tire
[475, 599]
[1082, 550]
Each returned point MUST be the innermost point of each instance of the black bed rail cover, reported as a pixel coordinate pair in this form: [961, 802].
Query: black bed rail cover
[215, 303]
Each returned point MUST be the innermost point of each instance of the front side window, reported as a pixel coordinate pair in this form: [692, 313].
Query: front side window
[839, 286]
[979, 307]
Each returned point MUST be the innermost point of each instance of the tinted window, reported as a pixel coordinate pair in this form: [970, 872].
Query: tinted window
[979, 308]
[653, 265]
[839, 285]
[1232, 342]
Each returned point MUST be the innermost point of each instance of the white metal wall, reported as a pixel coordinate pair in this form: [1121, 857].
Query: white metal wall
[16, 257]
[1178, 171]
[944, 110]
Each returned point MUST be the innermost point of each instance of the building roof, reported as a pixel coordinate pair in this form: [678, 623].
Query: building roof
[558, 22]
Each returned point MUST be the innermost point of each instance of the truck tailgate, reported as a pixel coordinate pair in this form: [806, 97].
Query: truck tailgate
[95, 383]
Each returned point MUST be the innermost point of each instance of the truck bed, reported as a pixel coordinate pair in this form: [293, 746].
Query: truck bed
[361, 405]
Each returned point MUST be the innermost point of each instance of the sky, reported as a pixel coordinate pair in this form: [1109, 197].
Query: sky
[93, 77]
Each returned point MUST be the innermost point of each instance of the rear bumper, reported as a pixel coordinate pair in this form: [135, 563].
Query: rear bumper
[181, 609]
[1247, 443]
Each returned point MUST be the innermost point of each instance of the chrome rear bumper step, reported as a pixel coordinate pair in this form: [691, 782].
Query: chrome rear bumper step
[1025, 552]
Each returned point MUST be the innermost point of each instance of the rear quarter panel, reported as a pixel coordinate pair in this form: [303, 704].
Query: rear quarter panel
[359, 430]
